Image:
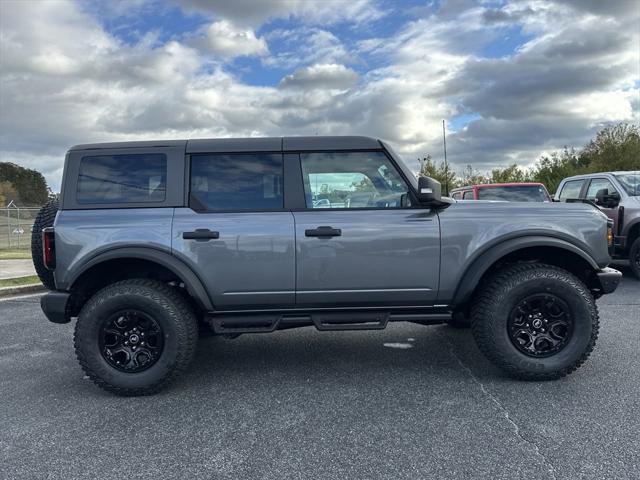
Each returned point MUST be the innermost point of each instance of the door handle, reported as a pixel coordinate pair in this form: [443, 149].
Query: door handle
[323, 232]
[201, 234]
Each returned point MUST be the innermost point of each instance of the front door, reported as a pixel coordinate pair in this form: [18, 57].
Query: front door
[358, 242]
[236, 234]
[596, 184]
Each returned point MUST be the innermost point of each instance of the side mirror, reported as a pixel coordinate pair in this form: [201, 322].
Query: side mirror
[614, 199]
[606, 200]
[429, 191]
[601, 196]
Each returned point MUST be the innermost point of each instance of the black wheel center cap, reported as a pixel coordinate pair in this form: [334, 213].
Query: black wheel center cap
[537, 323]
[134, 338]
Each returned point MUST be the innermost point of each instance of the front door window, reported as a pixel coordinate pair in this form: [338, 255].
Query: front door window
[352, 180]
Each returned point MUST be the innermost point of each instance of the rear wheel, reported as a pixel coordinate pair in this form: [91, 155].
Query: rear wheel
[634, 257]
[535, 321]
[45, 218]
[134, 337]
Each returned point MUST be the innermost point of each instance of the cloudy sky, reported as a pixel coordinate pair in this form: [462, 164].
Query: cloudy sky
[512, 79]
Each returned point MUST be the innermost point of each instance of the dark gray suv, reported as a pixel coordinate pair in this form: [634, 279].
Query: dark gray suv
[154, 243]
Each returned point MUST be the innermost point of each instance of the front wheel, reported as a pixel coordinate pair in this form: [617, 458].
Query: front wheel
[135, 336]
[535, 321]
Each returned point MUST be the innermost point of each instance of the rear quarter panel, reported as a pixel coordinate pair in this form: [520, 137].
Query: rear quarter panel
[472, 228]
[84, 234]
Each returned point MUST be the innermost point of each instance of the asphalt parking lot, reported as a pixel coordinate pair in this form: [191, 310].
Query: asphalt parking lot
[307, 404]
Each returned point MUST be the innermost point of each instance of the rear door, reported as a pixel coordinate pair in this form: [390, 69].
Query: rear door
[236, 234]
[571, 189]
[359, 243]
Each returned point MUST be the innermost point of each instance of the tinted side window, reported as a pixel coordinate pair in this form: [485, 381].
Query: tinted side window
[236, 181]
[598, 184]
[351, 180]
[122, 179]
[467, 195]
[571, 189]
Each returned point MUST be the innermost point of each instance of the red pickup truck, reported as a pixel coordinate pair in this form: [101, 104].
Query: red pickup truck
[510, 192]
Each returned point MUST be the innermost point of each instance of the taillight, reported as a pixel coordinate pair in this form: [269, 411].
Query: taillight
[48, 248]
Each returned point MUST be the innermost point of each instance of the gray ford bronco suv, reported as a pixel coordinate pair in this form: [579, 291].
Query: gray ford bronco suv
[153, 243]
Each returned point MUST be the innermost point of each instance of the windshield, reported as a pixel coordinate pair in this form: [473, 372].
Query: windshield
[630, 182]
[515, 193]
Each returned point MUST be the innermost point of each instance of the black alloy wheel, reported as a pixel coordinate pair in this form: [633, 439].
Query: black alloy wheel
[540, 325]
[131, 341]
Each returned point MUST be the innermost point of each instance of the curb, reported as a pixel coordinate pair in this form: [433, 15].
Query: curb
[19, 290]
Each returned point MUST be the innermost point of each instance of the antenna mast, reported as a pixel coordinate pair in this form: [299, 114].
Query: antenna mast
[446, 165]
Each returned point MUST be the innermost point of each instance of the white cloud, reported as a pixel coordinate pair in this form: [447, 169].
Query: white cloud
[65, 80]
[256, 12]
[228, 40]
[323, 76]
[307, 45]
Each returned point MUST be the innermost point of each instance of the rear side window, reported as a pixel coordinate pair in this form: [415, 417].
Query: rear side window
[137, 178]
[467, 195]
[571, 189]
[236, 182]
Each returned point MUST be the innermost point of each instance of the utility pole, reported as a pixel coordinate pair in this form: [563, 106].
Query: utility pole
[446, 165]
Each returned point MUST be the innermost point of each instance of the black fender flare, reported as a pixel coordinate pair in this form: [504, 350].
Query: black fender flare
[192, 282]
[485, 259]
[628, 227]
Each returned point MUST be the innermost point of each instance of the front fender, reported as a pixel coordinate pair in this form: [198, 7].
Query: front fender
[480, 263]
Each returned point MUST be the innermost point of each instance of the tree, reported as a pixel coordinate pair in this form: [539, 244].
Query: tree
[511, 174]
[471, 176]
[550, 170]
[440, 172]
[7, 194]
[616, 147]
[30, 186]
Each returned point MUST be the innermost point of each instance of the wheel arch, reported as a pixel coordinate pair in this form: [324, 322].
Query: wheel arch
[633, 232]
[134, 262]
[551, 250]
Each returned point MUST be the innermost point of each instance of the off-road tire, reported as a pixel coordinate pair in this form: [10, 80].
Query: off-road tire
[167, 306]
[634, 259]
[45, 218]
[504, 290]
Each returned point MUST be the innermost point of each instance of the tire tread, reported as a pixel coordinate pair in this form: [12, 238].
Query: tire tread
[487, 299]
[45, 218]
[187, 332]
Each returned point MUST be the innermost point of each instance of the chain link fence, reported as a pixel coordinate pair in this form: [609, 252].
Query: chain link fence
[15, 226]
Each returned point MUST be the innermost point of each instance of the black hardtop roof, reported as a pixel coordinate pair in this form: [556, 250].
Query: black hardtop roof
[251, 144]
